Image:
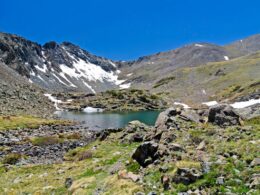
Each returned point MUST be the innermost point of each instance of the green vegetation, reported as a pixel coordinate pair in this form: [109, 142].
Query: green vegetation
[11, 158]
[163, 81]
[19, 122]
[96, 165]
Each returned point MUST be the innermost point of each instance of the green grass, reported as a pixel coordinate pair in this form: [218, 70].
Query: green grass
[20, 122]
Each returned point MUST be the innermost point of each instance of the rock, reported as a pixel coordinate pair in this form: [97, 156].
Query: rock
[128, 175]
[223, 115]
[255, 181]
[145, 154]
[255, 162]
[165, 182]
[186, 175]
[139, 193]
[190, 115]
[152, 193]
[220, 180]
[68, 182]
[201, 146]
[249, 112]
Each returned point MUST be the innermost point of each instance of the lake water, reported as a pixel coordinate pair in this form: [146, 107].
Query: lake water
[106, 120]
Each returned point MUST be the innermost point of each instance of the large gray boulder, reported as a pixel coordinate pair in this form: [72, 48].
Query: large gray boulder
[249, 112]
[223, 115]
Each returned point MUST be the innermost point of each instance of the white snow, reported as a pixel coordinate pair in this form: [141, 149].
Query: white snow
[59, 79]
[44, 69]
[204, 91]
[245, 103]
[226, 58]
[125, 86]
[89, 71]
[91, 110]
[199, 45]
[39, 76]
[88, 86]
[130, 74]
[54, 100]
[182, 104]
[118, 71]
[113, 64]
[32, 73]
[211, 103]
[30, 81]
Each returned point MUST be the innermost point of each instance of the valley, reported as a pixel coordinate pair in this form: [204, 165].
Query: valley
[184, 121]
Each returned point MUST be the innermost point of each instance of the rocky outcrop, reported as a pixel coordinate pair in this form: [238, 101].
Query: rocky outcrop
[249, 112]
[223, 115]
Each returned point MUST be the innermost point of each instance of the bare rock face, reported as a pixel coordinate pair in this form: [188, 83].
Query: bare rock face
[223, 115]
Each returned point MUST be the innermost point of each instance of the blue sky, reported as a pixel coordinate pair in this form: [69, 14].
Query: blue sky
[127, 29]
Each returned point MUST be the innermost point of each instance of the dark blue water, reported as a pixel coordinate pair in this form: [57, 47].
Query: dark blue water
[105, 120]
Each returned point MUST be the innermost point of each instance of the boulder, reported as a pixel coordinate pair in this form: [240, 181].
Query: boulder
[128, 175]
[223, 115]
[249, 112]
[145, 154]
[186, 175]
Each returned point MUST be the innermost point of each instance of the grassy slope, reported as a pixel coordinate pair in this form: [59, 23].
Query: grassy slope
[188, 83]
[94, 172]
[15, 122]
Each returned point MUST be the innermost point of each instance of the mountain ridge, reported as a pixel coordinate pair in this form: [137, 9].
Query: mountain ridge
[65, 67]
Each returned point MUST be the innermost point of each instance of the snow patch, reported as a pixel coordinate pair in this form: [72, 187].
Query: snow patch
[91, 110]
[44, 69]
[199, 45]
[130, 74]
[125, 86]
[182, 104]
[30, 81]
[204, 91]
[211, 103]
[226, 58]
[54, 100]
[245, 103]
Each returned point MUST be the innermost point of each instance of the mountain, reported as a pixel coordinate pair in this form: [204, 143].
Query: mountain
[59, 67]
[18, 96]
[194, 73]
[244, 46]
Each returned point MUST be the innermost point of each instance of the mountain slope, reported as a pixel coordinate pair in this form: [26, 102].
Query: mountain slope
[213, 81]
[58, 67]
[18, 96]
[244, 46]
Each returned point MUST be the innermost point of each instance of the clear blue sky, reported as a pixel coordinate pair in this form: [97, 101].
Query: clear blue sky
[127, 29]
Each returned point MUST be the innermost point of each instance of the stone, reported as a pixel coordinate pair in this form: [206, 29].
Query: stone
[223, 115]
[128, 175]
[186, 175]
[68, 182]
[201, 146]
[190, 115]
[220, 180]
[165, 182]
[249, 112]
[145, 154]
[255, 162]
